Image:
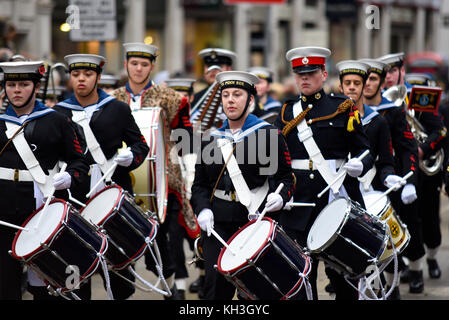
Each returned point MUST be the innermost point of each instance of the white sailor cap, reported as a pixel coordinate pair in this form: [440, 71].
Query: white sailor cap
[376, 66]
[108, 80]
[421, 79]
[22, 70]
[217, 56]
[307, 59]
[393, 59]
[85, 61]
[352, 67]
[140, 50]
[262, 73]
[180, 84]
[237, 79]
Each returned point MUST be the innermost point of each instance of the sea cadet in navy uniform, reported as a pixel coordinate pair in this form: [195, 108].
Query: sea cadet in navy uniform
[101, 119]
[43, 136]
[221, 191]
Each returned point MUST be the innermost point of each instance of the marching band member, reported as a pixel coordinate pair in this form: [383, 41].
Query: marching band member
[30, 133]
[104, 123]
[353, 75]
[429, 184]
[320, 131]
[265, 103]
[406, 157]
[177, 233]
[226, 193]
[140, 92]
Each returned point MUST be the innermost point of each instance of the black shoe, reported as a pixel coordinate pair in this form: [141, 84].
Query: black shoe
[196, 285]
[434, 270]
[181, 295]
[416, 282]
[395, 294]
[404, 275]
[174, 294]
[329, 288]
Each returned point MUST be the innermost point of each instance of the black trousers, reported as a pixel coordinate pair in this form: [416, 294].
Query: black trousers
[429, 207]
[10, 268]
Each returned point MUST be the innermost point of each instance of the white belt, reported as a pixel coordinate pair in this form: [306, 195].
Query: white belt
[258, 193]
[304, 164]
[15, 174]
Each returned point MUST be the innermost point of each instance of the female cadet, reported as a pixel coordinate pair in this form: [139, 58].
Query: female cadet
[217, 198]
[38, 134]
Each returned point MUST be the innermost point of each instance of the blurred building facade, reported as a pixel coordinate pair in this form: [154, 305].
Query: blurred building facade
[259, 34]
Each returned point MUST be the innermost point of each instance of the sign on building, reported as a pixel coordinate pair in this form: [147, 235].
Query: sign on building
[97, 20]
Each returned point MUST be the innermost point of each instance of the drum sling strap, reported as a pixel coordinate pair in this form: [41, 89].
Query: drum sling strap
[305, 135]
[250, 199]
[81, 118]
[16, 134]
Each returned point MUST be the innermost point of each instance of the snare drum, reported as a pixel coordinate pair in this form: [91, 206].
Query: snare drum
[63, 239]
[270, 266]
[150, 180]
[380, 207]
[129, 229]
[347, 237]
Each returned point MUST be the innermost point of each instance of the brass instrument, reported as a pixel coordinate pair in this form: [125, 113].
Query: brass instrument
[430, 166]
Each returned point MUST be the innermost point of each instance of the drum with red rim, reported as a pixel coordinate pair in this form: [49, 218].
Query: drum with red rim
[270, 266]
[129, 229]
[62, 240]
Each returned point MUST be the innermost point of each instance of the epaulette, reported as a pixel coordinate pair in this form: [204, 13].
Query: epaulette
[337, 95]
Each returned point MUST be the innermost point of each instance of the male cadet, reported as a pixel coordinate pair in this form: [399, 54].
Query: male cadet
[103, 124]
[406, 156]
[215, 60]
[320, 131]
[430, 180]
[353, 75]
[140, 92]
[265, 105]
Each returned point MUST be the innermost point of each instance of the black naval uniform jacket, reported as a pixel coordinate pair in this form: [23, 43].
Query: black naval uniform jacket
[52, 139]
[206, 174]
[404, 144]
[335, 142]
[378, 132]
[111, 124]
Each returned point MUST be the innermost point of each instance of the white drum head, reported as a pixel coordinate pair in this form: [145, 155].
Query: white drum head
[327, 224]
[374, 207]
[230, 262]
[29, 241]
[101, 205]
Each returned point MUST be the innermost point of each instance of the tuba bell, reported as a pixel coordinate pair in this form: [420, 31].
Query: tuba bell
[434, 163]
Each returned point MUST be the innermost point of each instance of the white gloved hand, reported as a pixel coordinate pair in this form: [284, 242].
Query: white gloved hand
[408, 194]
[206, 220]
[287, 205]
[394, 180]
[124, 158]
[354, 167]
[274, 202]
[189, 161]
[62, 180]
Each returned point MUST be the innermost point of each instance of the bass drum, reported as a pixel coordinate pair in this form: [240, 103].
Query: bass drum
[150, 180]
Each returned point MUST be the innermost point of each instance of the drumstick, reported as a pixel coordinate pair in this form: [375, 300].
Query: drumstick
[111, 169]
[408, 175]
[7, 224]
[256, 224]
[47, 202]
[363, 155]
[216, 235]
[302, 204]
